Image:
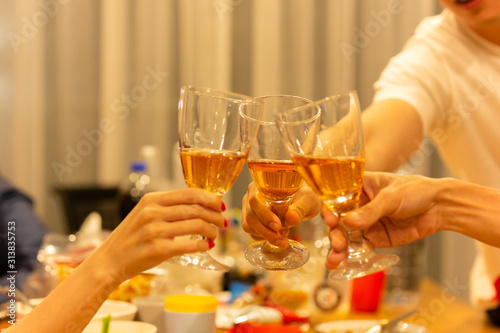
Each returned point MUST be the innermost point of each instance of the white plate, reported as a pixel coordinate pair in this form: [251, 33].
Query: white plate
[118, 310]
[361, 326]
[116, 326]
[345, 326]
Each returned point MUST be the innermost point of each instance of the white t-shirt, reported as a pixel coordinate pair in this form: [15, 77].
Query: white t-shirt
[451, 77]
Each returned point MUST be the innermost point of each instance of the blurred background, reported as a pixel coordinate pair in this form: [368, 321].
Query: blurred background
[85, 84]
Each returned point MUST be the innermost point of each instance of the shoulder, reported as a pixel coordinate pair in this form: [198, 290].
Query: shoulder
[439, 38]
[9, 192]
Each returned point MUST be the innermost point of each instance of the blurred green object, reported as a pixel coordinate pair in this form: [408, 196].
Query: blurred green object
[105, 324]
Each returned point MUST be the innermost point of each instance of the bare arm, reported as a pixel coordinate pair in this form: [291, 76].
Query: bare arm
[393, 131]
[144, 239]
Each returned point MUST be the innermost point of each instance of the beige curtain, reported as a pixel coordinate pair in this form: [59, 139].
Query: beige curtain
[22, 98]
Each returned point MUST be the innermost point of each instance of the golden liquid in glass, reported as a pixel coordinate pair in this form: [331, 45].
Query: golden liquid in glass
[337, 181]
[277, 180]
[211, 170]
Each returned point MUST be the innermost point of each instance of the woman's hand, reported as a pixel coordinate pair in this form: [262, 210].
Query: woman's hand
[261, 223]
[146, 237]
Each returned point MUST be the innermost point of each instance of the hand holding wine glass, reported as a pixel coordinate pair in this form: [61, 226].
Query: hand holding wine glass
[278, 181]
[216, 131]
[325, 142]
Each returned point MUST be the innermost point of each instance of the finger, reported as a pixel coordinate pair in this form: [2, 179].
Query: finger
[187, 196]
[330, 218]
[365, 216]
[335, 260]
[246, 216]
[247, 227]
[179, 247]
[259, 231]
[262, 212]
[305, 205]
[338, 242]
[184, 212]
[161, 229]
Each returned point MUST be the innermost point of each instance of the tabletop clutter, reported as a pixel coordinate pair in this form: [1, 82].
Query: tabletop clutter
[176, 299]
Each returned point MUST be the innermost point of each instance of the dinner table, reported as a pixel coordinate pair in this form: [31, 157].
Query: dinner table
[441, 309]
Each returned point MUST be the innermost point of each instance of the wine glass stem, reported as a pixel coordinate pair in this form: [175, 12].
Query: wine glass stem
[356, 243]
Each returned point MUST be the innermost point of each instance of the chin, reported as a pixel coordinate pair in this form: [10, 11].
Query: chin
[475, 13]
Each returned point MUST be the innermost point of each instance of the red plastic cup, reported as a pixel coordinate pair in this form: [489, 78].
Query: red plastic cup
[367, 292]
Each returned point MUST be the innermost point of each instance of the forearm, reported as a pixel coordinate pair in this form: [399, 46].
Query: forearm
[393, 132]
[73, 303]
[471, 210]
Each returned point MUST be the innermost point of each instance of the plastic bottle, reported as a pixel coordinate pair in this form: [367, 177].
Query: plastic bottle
[133, 188]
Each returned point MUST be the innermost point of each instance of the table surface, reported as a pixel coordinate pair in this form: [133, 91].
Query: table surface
[440, 310]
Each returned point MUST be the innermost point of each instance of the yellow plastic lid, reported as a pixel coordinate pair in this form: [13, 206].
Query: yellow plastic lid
[191, 303]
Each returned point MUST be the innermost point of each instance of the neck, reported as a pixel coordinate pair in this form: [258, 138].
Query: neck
[488, 29]
[491, 34]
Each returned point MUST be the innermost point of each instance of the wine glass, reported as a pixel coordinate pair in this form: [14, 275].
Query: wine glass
[216, 131]
[325, 142]
[278, 181]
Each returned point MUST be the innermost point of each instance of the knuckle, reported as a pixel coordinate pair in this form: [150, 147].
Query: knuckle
[148, 213]
[148, 198]
[148, 232]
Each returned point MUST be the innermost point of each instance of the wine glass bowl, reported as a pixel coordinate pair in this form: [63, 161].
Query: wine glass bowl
[216, 130]
[278, 181]
[325, 142]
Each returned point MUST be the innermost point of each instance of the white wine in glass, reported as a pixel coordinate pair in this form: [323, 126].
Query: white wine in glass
[325, 142]
[278, 181]
[216, 131]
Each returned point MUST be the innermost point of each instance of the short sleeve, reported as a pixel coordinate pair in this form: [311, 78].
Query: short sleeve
[417, 77]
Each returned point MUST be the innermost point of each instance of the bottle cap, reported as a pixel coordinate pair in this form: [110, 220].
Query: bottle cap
[191, 303]
[138, 166]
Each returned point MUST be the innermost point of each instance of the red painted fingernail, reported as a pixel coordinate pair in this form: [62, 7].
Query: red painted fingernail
[211, 244]
[223, 206]
[225, 223]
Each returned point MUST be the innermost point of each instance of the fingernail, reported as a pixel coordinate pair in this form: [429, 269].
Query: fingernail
[223, 206]
[225, 223]
[211, 244]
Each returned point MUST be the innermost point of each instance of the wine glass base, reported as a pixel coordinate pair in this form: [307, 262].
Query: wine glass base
[272, 258]
[359, 266]
[202, 260]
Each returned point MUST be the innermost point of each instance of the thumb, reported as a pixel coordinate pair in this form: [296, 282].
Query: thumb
[305, 206]
[367, 215]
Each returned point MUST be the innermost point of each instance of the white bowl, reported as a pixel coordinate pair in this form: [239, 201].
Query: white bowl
[117, 326]
[151, 310]
[119, 310]
[361, 326]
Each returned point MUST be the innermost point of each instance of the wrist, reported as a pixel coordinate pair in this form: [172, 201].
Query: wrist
[102, 272]
[443, 196]
[470, 209]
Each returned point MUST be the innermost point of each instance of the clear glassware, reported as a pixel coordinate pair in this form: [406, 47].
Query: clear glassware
[325, 142]
[278, 181]
[216, 131]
